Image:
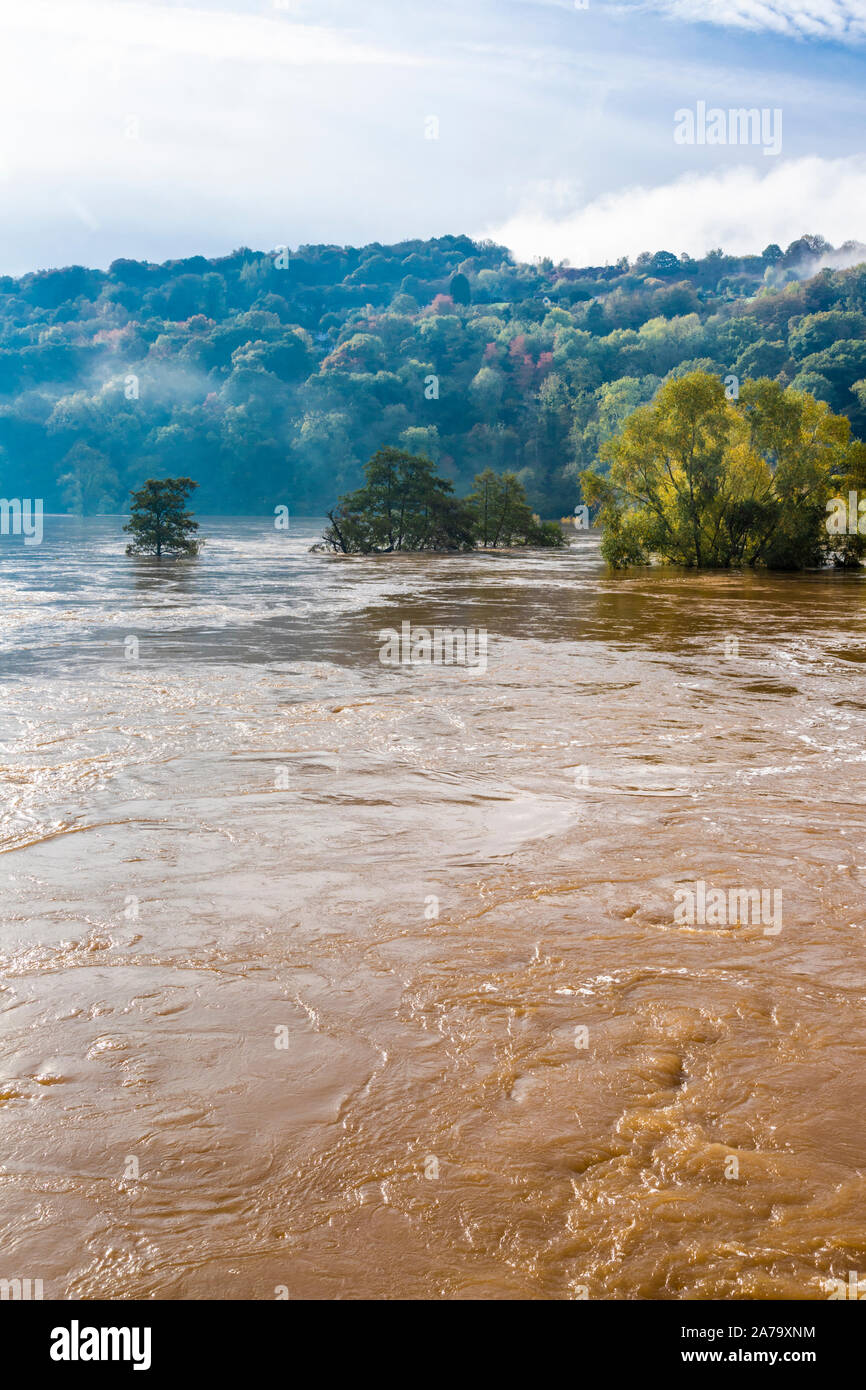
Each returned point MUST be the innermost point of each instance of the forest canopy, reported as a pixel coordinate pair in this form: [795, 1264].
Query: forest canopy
[272, 376]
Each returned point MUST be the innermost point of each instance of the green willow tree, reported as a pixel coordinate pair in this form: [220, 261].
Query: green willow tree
[696, 479]
[159, 522]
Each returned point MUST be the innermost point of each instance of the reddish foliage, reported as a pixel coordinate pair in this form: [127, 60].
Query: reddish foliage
[524, 371]
[442, 304]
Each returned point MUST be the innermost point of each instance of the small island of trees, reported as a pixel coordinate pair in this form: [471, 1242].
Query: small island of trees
[405, 505]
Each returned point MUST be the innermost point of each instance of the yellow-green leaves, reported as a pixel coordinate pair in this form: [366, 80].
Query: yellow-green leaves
[700, 480]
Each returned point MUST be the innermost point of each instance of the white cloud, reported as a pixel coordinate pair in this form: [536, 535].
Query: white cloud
[737, 209]
[128, 26]
[258, 124]
[815, 19]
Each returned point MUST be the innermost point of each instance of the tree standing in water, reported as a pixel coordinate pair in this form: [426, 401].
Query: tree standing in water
[701, 480]
[405, 505]
[502, 515]
[159, 522]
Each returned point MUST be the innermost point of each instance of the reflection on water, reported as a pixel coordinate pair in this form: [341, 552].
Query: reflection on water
[366, 982]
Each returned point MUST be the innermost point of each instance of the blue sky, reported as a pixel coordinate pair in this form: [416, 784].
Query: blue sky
[155, 129]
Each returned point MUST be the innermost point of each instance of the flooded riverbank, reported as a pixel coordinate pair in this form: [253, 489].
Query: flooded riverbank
[331, 979]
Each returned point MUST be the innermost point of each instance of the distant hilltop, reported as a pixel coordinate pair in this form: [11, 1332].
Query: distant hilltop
[380, 270]
[271, 376]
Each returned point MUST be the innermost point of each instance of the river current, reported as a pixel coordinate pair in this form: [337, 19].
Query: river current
[328, 978]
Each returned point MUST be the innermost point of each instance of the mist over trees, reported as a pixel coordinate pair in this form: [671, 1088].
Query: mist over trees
[272, 377]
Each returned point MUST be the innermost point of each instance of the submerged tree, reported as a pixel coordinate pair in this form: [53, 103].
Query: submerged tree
[699, 480]
[502, 515]
[159, 522]
[405, 505]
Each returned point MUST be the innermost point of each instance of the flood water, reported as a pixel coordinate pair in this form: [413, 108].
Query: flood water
[330, 979]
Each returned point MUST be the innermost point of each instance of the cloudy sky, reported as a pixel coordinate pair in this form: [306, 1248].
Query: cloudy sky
[157, 129]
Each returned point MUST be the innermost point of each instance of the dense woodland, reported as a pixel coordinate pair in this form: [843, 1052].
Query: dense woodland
[272, 376]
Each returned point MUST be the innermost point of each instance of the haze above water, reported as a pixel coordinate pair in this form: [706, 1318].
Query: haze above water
[236, 840]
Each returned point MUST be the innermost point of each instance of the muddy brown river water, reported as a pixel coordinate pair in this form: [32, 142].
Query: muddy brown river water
[323, 978]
